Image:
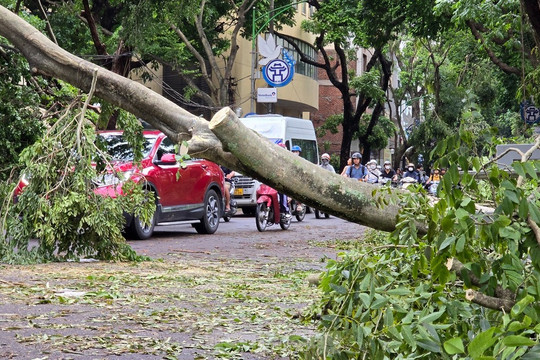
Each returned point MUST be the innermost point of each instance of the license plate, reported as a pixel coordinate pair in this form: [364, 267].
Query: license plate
[239, 192]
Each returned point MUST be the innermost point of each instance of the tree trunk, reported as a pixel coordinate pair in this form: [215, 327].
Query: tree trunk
[386, 74]
[532, 8]
[249, 154]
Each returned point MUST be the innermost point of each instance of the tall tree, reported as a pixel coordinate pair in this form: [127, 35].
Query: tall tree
[342, 25]
[200, 42]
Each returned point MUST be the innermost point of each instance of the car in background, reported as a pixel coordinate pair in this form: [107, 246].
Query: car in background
[191, 191]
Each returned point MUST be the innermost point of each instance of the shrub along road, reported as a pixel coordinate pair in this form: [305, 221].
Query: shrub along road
[235, 294]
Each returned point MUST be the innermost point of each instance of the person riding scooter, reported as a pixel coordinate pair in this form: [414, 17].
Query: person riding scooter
[325, 163]
[357, 170]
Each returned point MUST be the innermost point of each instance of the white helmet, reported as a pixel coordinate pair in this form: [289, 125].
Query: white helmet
[325, 156]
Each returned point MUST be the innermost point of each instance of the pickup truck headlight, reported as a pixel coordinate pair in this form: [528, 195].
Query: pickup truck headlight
[111, 179]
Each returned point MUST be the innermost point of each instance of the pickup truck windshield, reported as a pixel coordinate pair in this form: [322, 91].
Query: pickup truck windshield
[121, 150]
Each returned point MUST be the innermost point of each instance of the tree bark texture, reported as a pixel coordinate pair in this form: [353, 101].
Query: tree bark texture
[226, 141]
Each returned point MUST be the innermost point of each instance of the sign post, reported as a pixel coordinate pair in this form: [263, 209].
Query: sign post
[279, 73]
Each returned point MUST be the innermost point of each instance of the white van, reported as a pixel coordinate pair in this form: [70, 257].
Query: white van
[291, 131]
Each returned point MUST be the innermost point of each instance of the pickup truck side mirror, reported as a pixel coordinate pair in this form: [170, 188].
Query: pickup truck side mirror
[167, 159]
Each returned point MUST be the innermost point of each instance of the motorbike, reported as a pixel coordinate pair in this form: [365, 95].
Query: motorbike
[407, 181]
[299, 214]
[432, 188]
[232, 203]
[269, 210]
[383, 181]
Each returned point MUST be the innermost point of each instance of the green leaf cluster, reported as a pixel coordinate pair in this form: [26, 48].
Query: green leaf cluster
[58, 210]
[399, 298]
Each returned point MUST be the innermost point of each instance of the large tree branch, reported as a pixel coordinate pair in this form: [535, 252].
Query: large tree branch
[501, 293]
[489, 302]
[501, 64]
[353, 197]
[100, 47]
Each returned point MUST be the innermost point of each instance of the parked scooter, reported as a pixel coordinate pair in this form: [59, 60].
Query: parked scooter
[269, 210]
[232, 203]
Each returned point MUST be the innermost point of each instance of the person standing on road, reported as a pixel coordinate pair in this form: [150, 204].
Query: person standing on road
[229, 174]
[325, 163]
[296, 150]
[357, 170]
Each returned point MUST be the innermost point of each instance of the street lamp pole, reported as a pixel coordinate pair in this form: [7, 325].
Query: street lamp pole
[254, 32]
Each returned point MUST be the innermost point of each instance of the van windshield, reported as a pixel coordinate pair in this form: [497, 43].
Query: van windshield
[309, 149]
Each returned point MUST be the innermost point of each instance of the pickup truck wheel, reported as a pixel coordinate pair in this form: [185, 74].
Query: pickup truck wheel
[141, 231]
[212, 213]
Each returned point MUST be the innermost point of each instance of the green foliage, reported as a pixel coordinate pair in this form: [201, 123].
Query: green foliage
[368, 85]
[396, 297]
[59, 207]
[383, 130]
[19, 112]
[332, 124]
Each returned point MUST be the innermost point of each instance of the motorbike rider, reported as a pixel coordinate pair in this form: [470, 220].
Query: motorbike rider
[373, 173]
[412, 173]
[435, 176]
[421, 174]
[433, 181]
[283, 200]
[325, 163]
[357, 170]
[388, 174]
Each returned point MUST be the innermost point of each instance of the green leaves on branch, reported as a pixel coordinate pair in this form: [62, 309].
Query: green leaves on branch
[402, 298]
[59, 207]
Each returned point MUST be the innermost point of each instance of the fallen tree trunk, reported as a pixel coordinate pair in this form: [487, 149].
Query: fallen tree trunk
[225, 142]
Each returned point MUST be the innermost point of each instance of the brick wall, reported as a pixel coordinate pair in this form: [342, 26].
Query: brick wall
[330, 103]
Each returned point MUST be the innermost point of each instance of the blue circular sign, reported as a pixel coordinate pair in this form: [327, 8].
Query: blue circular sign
[278, 73]
[529, 113]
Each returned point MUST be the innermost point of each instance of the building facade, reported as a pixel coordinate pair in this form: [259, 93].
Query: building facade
[300, 97]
